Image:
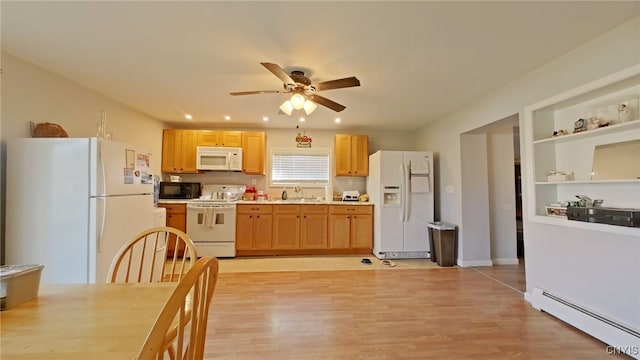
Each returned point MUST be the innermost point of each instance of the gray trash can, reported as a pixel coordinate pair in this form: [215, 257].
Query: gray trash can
[442, 243]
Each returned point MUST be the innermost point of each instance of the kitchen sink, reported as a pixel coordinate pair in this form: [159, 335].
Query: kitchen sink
[298, 201]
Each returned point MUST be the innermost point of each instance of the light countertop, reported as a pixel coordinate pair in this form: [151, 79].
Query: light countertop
[279, 202]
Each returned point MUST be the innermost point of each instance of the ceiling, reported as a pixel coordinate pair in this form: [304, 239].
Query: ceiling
[416, 61]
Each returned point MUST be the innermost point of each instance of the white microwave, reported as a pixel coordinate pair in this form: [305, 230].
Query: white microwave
[218, 158]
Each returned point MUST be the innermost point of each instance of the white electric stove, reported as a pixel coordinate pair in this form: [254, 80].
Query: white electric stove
[211, 220]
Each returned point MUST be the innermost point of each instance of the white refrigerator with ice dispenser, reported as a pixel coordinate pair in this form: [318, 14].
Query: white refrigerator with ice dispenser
[72, 203]
[400, 185]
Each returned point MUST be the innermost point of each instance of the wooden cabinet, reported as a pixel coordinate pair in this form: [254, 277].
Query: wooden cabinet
[352, 155]
[300, 227]
[253, 228]
[179, 151]
[176, 218]
[219, 138]
[351, 227]
[253, 152]
[314, 227]
[286, 226]
[304, 229]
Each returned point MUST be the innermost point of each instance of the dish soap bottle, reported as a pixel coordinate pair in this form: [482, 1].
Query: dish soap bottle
[284, 194]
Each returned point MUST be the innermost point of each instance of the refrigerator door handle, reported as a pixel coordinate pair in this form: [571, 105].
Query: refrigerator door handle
[102, 220]
[407, 198]
[103, 191]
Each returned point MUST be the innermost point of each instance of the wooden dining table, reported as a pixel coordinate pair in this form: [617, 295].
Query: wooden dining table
[82, 321]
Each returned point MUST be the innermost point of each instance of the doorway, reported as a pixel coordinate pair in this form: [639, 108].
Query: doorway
[492, 205]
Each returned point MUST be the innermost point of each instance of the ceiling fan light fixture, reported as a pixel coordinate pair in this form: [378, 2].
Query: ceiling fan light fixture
[309, 107]
[287, 107]
[297, 101]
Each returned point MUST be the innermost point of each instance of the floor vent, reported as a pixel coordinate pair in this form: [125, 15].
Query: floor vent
[610, 331]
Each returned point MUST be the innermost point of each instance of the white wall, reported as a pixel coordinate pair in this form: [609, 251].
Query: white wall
[34, 94]
[599, 270]
[474, 191]
[502, 203]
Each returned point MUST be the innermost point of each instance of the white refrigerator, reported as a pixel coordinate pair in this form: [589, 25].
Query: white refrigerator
[72, 203]
[400, 185]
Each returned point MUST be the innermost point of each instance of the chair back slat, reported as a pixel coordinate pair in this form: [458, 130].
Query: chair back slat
[144, 258]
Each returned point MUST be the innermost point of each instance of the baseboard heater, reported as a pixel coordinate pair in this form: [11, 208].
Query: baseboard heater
[622, 338]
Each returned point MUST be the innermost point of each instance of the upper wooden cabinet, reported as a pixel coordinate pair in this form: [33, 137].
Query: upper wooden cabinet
[253, 152]
[352, 155]
[179, 151]
[219, 138]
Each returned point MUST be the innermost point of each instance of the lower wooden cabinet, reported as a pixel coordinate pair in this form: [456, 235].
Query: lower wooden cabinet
[351, 227]
[286, 227]
[292, 229]
[176, 218]
[253, 229]
[313, 227]
[300, 227]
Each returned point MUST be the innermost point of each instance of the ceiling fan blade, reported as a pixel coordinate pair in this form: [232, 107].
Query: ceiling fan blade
[256, 92]
[337, 84]
[326, 102]
[279, 72]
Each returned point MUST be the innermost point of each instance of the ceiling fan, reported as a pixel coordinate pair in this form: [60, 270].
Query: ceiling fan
[298, 84]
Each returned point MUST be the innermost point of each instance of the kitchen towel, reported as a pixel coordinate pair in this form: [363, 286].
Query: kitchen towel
[419, 183]
[209, 217]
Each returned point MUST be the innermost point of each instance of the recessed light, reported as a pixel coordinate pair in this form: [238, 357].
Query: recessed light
[265, 119]
[338, 120]
[188, 116]
[301, 119]
[227, 117]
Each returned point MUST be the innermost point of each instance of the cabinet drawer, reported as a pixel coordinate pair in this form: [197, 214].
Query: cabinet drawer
[174, 208]
[286, 209]
[254, 209]
[346, 209]
[313, 209]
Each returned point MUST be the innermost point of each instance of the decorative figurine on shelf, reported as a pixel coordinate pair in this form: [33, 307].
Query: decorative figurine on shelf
[624, 113]
[593, 123]
[579, 126]
[560, 132]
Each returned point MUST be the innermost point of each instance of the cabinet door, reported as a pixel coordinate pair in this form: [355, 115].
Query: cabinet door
[244, 231]
[208, 138]
[262, 232]
[231, 138]
[253, 153]
[362, 231]
[359, 155]
[171, 150]
[339, 229]
[343, 155]
[178, 221]
[189, 141]
[313, 231]
[286, 228]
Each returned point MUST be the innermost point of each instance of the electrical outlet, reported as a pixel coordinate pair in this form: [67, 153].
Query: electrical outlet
[449, 189]
[350, 182]
[253, 181]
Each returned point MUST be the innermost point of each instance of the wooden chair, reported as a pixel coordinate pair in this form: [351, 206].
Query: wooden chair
[145, 258]
[187, 307]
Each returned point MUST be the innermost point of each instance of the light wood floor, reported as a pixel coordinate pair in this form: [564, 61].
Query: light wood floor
[451, 313]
